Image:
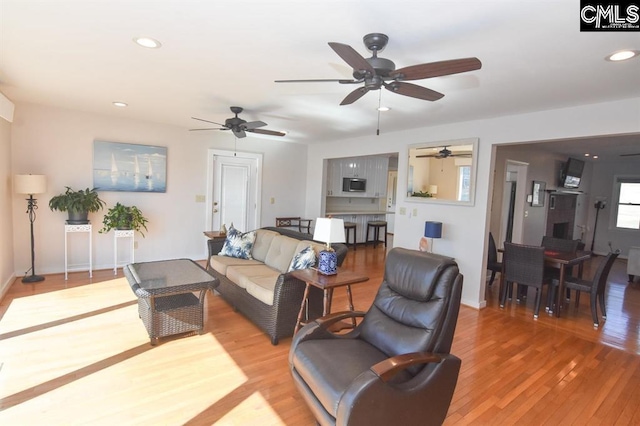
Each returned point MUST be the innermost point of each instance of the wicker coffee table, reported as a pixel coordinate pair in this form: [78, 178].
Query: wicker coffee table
[167, 300]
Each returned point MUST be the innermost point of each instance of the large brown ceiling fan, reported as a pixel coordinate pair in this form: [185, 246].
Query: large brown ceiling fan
[239, 127]
[376, 72]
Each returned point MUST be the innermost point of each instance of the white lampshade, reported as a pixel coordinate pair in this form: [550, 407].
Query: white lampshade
[433, 189]
[30, 184]
[329, 230]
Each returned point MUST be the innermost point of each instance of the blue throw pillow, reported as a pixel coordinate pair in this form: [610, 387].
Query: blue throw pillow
[238, 244]
[306, 258]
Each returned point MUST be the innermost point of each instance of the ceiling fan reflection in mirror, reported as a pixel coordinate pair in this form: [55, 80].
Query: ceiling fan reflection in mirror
[376, 72]
[239, 127]
[445, 153]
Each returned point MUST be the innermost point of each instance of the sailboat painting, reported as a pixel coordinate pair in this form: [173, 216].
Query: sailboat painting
[129, 167]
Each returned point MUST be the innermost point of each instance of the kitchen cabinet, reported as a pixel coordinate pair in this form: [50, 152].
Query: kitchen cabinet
[354, 167]
[376, 173]
[334, 178]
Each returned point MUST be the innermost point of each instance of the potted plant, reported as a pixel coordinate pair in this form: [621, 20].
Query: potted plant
[124, 217]
[78, 204]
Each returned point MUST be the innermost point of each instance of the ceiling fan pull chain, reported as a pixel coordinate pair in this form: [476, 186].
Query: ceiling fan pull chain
[379, 105]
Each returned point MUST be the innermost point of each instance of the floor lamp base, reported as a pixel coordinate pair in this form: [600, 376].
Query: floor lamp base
[32, 279]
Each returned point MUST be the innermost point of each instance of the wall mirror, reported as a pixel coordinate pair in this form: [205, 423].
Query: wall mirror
[443, 172]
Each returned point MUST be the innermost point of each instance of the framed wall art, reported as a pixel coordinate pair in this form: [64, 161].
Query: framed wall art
[129, 167]
[537, 193]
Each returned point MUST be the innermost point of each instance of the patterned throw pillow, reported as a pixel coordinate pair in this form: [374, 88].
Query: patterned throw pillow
[306, 258]
[238, 244]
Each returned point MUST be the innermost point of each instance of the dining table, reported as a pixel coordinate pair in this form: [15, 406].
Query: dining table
[563, 261]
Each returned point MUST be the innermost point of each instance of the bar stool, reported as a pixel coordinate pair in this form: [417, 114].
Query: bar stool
[348, 227]
[376, 225]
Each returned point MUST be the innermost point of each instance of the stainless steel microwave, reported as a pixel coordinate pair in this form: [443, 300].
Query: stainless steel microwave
[354, 185]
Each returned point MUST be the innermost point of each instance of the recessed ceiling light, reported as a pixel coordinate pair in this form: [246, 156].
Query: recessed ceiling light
[622, 55]
[384, 109]
[147, 42]
[586, 154]
[120, 104]
[595, 156]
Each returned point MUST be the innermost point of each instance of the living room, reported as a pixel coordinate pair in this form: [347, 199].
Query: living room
[48, 136]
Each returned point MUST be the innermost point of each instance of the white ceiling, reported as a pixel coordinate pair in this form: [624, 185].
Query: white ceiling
[215, 54]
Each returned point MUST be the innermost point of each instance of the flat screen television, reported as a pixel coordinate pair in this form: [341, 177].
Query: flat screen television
[571, 173]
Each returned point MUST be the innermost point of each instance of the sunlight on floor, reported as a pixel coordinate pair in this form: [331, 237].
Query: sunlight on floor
[148, 383]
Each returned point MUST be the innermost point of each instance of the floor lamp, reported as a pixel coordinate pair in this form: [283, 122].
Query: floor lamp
[31, 184]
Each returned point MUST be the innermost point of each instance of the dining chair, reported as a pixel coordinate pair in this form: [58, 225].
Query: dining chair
[595, 287]
[561, 245]
[493, 264]
[524, 265]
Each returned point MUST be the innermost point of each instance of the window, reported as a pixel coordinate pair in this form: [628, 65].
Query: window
[464, 183]
[628, 212]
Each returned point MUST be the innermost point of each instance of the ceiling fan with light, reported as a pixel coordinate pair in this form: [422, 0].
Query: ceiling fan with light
[445, 153]
[239, 127]
[376, 72]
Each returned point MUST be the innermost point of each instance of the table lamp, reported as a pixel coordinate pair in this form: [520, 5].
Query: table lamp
[328, 230]
[31, 184]
[432, 230]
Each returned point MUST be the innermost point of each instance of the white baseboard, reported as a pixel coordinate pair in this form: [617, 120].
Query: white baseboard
[6, 285]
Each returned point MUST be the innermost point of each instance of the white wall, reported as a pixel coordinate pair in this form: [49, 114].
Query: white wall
[6, 189]
[465, 227]
[59, 144]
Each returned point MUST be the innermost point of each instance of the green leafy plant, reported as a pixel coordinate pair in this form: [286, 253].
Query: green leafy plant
[80, 202]
[124, 217]
[422, 194]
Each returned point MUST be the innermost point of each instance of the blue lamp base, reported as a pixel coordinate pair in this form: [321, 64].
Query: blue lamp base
[328, 263]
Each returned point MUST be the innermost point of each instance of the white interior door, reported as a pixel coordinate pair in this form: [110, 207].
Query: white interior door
[515, 172]
[233, 190]
[392, 184]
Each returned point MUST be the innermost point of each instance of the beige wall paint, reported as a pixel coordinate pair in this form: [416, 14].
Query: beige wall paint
[59, 144]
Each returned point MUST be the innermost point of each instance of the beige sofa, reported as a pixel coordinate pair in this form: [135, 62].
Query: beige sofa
[261, 288]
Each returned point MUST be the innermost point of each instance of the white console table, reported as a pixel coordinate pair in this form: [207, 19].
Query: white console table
[72, 229]
[129, 233]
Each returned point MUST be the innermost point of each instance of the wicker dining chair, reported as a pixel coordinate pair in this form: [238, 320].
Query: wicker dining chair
[596, 287]
[523, 265]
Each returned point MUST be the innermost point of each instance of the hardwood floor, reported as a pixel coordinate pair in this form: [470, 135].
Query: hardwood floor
[75, 352]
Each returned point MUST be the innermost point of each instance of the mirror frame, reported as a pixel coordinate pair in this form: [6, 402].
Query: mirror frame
[472, 177]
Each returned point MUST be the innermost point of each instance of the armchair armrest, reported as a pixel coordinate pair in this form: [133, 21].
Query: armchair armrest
[328, 320]
[388, 368]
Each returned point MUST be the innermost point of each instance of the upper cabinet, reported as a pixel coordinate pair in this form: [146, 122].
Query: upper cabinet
[374, 169]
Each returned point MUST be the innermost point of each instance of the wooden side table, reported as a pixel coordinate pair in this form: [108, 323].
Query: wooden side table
[326, 283]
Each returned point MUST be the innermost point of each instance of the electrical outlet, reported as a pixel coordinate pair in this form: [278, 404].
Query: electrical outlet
[273, 200]
[402, 211]
[415, 212]
[200, 198]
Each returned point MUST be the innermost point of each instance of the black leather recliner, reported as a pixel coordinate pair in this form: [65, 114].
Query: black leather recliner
[395, 366]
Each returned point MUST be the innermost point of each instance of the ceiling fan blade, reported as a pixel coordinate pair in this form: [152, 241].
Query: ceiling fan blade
[414, 91]
[630, 155]
[330, 80]
[207, 121]
[253, 125]
[436, 69]
[266, 132]
[351, 57]
[239, 133]
[210, 128]
[354, 96]
[427, 156]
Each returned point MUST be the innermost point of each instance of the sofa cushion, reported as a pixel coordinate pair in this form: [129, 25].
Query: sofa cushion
[281, 251]
[262, 288]
[262, 243]
[240, 274]
[221, 263]
[303, 259]
[238, 244]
